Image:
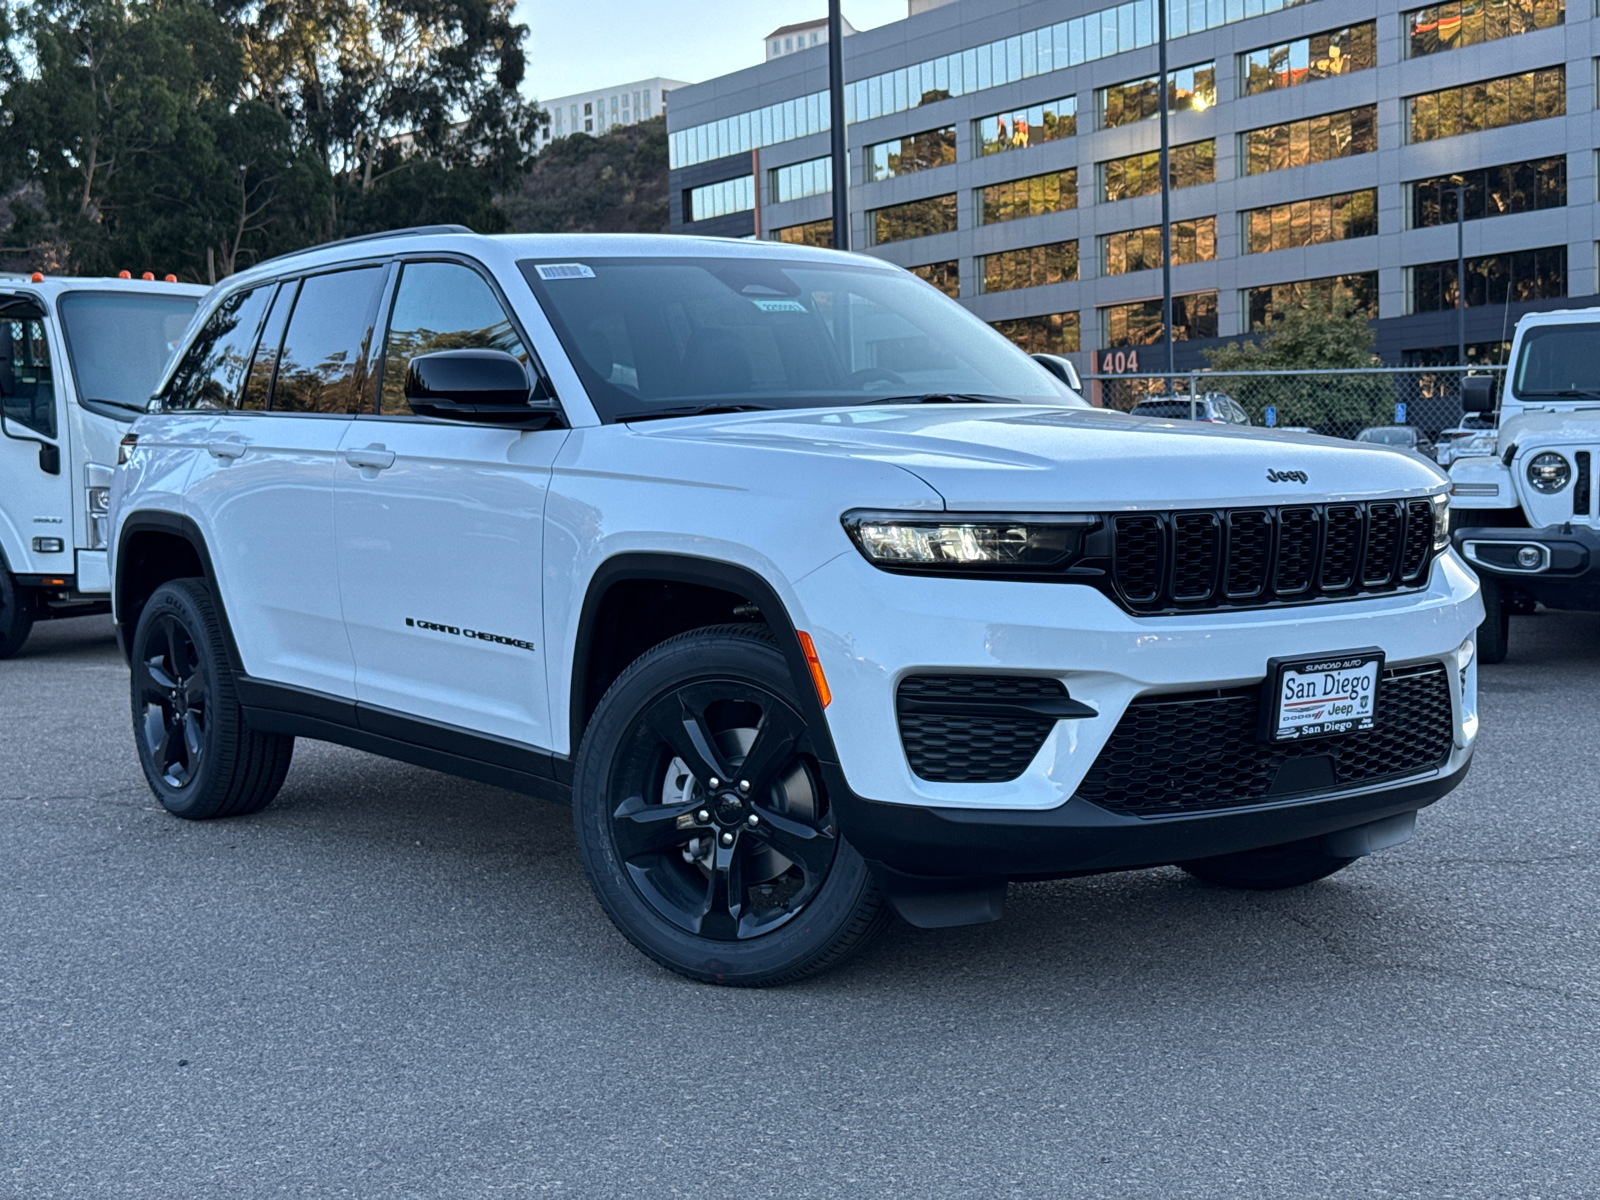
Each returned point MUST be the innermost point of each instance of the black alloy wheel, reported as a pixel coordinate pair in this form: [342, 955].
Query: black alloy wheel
[704, 821]
[171, 701]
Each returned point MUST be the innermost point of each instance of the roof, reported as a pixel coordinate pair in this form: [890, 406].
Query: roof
[804, 25]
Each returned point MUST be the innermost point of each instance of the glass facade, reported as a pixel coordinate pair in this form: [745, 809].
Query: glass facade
[1140, 174]
[1307, 59]
[918, 218]
[1053, 333]
[798, 180]
[1261, 303]
[1490, 192]
[812, 233]
[1031, 266]
[914, 152]
[1311, 222]
[1140, 249]
[1139, 324]
[1313, 140]
[720, 199]
[946, 276]
[1137, 100]
[1491, 104]
[1492, 279]
[1442, 27]
[1055, 191]
[1024, 127]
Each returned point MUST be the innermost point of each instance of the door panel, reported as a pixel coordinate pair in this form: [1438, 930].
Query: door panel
[36, 506]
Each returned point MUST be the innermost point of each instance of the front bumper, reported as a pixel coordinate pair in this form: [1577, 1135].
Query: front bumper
[1558, 565]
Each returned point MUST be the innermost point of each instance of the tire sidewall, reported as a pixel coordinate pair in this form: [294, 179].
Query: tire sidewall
[700, 657]
[16, 616]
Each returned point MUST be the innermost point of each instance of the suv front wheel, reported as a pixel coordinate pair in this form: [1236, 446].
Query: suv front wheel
[704, 823]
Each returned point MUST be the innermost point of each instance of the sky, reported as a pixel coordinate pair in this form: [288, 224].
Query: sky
[575, 47]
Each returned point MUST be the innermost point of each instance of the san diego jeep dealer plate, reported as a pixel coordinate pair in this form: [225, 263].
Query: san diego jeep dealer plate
[1316, 697]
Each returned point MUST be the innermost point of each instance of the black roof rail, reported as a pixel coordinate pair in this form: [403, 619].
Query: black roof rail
[409, 231]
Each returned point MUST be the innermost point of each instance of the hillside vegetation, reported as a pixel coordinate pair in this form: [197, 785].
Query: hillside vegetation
[614, 183]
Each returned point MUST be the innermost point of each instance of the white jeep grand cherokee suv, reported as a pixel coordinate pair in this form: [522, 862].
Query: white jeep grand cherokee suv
[812, 594]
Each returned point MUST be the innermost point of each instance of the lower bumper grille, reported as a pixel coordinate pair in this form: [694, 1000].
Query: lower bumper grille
[973, 746]
[1198, 752]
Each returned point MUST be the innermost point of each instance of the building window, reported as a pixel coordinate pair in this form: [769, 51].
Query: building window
[946, 276]
[1053, 333]
[914, 152]
[1311, 222]
[1321, 56]
[1024, 127]
[1491, 192]
[720, 199]
[1137, 100]
[1140, 174]
[812, 233]
[1139, 324]
[1316, 139]
[1443, 27]
[1031, 266]
[1262, 303]
[1492, 279]
[918, 218]
[798, 180]
[1491, 104]
[1140, 249]
[1055, 191]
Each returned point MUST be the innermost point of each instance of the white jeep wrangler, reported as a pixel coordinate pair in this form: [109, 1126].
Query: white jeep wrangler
[814, 596]
[1525, 517]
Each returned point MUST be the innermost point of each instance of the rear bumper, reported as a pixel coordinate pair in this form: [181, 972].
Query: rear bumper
[1563, 570]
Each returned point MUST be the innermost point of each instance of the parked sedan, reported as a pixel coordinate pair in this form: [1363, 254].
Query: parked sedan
[1213, 407]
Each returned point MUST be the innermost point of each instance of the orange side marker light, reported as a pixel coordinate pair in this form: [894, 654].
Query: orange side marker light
[36, 277]
[170, 278]
[148, 277]
[124, 275]
[809, 649]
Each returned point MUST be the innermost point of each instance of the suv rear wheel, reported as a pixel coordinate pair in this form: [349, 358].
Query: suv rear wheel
[16, 613]
[199, 757]
[704, 823]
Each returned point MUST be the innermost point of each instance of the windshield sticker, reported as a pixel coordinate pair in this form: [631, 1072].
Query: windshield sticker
[563, 271]
[779, 305]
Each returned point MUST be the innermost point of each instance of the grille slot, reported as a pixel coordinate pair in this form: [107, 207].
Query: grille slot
[1297, 551]
[1249, 548]
[1418, 540]
[1383, 543]
[1139, 549]
[1342, 548]
[1199, 751]
[1580, 486]
[973, 747]
[1196, 542]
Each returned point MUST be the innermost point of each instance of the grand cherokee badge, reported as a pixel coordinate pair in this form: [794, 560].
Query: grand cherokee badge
[1287, 477]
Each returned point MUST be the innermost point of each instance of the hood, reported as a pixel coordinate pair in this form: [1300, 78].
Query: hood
[1552, 427]
[992, 457]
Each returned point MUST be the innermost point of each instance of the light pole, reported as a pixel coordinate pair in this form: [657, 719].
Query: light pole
[841, 162]
[1461, 269]
[1166, 192]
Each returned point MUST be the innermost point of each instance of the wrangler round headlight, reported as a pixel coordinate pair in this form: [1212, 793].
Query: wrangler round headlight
[953, 542]
[1549, 472]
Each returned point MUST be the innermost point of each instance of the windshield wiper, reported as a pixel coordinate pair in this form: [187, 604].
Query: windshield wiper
[693, 410]
[943, 398]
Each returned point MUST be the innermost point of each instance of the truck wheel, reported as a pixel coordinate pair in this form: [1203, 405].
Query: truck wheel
[199, 757]
[1269, 868]
[16, 614]
[704, 823]
[1495, 631]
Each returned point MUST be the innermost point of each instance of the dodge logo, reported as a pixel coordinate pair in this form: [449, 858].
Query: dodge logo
[1286, 477]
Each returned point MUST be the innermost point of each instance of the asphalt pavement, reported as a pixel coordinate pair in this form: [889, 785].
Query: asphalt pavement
[394, 983]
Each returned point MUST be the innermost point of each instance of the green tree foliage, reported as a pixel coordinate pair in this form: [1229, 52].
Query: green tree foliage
[1308, 337]
[614, 183]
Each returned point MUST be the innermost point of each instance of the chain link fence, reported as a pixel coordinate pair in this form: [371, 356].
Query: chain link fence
[1342, 403]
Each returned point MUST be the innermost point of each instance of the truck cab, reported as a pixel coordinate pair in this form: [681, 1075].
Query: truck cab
[78, 360]
[1525, 516]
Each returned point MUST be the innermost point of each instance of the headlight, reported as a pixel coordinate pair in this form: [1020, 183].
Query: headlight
[1549, 472]
[1441, 522]
[979, 543]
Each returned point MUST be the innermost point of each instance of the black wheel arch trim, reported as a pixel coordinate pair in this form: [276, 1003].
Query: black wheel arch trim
[707, 572]
[178, 525]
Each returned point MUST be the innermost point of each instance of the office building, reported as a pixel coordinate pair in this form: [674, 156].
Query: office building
[599, 110]
[1006, 151]
[787, 39]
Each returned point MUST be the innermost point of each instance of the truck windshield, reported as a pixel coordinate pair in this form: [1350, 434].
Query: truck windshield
[663, 336]
[119, 342]
[1559, 361]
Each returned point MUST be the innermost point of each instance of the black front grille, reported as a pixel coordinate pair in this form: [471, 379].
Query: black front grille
[1200, 751]
[973, 747]
[1220, 558]
[1580, 489]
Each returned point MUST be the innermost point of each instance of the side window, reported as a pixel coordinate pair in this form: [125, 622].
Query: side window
[322, 366]
[441, 306]
[213, 367]
[258, 385]
[27, 384]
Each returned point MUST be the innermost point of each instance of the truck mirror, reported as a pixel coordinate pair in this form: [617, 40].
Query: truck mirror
[1061, 368]
[49, 458]
[1477, 393]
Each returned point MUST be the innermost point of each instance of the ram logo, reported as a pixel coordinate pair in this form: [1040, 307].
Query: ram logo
[1287, 477]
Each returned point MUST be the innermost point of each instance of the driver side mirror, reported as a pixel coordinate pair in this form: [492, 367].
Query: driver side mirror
[1061, 368]
[1477, 393]
[482, 386]
[49, 452]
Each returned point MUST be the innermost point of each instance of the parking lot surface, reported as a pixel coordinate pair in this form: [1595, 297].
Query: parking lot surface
[396, 983]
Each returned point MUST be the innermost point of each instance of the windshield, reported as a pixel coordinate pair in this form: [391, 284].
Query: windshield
[118, 343]
[1388, 437]
[1559, 360]
[657, 335]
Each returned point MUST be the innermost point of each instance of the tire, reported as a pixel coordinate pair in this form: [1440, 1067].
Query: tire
[1270, 868]
[747, 889]
[1495, 632]
[199, 757]
[16, 613]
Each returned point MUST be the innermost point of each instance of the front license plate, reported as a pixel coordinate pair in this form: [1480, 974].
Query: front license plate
[1318, 697]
